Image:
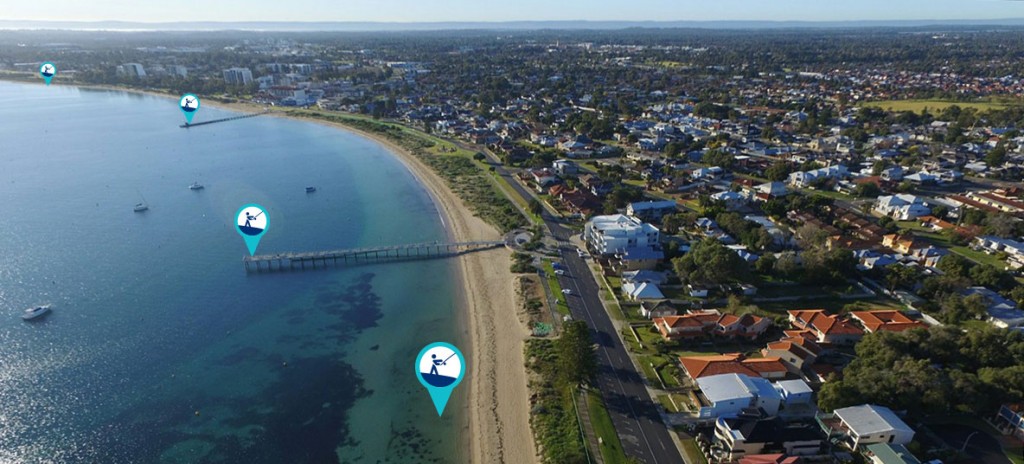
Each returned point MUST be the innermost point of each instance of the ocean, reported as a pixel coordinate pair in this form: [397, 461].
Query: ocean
[160, 348]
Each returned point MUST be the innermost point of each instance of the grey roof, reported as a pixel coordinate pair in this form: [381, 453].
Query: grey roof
[727, 387]
[869, 419]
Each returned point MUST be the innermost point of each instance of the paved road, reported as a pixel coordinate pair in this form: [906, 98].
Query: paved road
[636, 419]
[637, 422]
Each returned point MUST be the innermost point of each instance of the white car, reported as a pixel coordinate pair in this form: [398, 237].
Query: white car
[560, 272]
[567, 291]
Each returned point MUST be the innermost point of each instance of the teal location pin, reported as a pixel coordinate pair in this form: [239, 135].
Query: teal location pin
[252, 222]
[189, 104]
[48, 70]
[440, 367]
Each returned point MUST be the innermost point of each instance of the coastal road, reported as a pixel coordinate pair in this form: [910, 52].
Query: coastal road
[644, 436]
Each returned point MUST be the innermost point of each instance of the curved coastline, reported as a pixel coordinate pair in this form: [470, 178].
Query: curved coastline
[497, 416]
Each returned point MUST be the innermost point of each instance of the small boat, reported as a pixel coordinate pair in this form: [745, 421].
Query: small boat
[310, 189]
[35, 313]
[141, 206]
[196, 186]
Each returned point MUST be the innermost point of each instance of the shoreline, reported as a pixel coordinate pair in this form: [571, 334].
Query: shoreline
[498, 410]
[498, 413]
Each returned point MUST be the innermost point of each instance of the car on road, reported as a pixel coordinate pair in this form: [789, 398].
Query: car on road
[560, 272]
[567, 291]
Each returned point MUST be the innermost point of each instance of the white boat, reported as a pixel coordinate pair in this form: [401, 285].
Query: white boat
[35, 313]
[141, 206]
[196, 186]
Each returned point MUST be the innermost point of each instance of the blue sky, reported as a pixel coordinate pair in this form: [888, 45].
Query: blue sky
[506, 10]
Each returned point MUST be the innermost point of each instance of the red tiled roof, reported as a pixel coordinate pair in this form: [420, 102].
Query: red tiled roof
[703, 366]
[892, 321]
[817, 320]
[765, 365]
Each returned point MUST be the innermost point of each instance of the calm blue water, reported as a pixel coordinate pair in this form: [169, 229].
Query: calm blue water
[160, 348]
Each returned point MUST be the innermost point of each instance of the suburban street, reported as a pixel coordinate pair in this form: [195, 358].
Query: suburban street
[636, 419]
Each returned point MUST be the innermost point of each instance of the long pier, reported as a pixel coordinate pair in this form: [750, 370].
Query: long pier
[214, 121]
[323, 259]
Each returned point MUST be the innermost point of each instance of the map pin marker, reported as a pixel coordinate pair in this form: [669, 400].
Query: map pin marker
[252, 221]
[47, 70]
[440, 367]
[189, 104]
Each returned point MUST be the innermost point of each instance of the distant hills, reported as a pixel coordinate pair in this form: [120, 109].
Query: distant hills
[510, 25]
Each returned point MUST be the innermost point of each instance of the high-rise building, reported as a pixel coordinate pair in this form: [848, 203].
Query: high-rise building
[238, 76]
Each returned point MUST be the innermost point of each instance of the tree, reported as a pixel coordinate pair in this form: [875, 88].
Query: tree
[902, 277]
[778, 171]
[787, 265]
[1004, 225]
[575, 351]
[954, 265]
[670, 224]
[868, 190]
[711, 263]
[536, 207]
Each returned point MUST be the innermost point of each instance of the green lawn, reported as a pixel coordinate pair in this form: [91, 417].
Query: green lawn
[934, 106]
[611, 447]
[830, 194]
[667, 403]
[556, 288]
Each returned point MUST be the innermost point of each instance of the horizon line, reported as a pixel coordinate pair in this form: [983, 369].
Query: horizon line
[399, 26]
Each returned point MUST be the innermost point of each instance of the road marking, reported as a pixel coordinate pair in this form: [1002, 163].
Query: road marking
[622, 388]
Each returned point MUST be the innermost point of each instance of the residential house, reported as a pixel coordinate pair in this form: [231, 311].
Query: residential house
[691, 325]
[858, 426]
[608, 235]
[809, 178]
[543, 178]
[795, 352]
[753, 432]
[728, 394]
[794, 393]
[1002, 312]
[884, 453]
[886, 320]
[732, 200]
[597, 186]
[641, 291]
[713, 172]
[654, 277]
[652, 309]
[651, 210]
[903, 244]
[565, 168]
[733, 363]
[828, 329]
[901, 207]
[1013, 249]
[746, 326]
[1010, 420]
[771, 190]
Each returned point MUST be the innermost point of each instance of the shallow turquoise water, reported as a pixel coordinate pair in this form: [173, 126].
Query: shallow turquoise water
[160, 347]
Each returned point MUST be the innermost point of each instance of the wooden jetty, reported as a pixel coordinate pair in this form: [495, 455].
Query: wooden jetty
[214, 121]
[323, 259]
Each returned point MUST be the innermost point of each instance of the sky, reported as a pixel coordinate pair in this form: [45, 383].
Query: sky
[506, 10]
